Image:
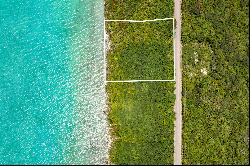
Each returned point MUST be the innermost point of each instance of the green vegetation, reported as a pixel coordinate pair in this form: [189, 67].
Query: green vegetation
[141, 50]
[141, 114]
[215, 82]
[138, 9]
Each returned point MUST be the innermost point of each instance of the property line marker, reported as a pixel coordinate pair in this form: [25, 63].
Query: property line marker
[143, 81]
[104, 46]
[139, 20]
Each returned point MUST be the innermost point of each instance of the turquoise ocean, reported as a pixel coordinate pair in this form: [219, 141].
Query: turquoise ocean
[52, 94]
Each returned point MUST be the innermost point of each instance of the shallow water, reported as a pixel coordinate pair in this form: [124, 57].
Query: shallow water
[52, 99]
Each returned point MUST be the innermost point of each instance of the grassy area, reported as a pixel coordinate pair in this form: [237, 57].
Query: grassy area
[141, 114]
[215, 82]
[141, 50]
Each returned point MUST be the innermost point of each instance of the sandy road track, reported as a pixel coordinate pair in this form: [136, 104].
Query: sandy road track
[178, 93]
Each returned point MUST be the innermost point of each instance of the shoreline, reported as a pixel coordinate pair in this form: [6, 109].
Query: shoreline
[107, 44]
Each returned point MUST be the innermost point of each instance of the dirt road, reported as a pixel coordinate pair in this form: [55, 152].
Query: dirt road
[178, 93]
